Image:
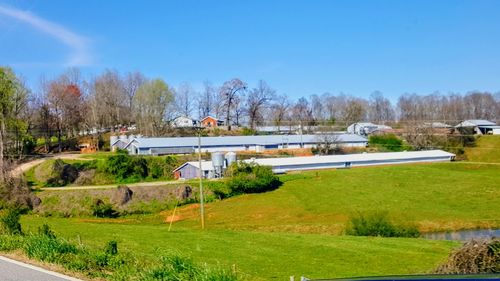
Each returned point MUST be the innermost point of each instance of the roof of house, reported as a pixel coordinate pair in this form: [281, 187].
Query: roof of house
[205, 165]
[238, 140]
[209, 117]
[331, 159]
[436, 125]
[119, 140]
[183, 117]
[475, 122]
[369, 124]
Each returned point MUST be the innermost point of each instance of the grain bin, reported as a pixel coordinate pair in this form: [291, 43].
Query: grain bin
[218, 161]
[230, 158]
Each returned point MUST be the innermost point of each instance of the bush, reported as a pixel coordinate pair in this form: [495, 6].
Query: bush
[85, 165]
[244, 177]
[389, 142]
[111, 248]
[124, 166]
[101, 209]
[10, 221]
[378, 224]
[161, 167]
[62, 174]
[45, 230]
[475, 256]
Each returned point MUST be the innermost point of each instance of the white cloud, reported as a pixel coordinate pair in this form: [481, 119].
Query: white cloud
[79, 45]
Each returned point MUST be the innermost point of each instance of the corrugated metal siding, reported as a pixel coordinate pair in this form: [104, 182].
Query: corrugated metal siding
[188, 172]
[318, 166]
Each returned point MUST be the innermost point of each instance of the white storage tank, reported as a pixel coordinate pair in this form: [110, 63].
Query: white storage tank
[218, 163]
[230, 158]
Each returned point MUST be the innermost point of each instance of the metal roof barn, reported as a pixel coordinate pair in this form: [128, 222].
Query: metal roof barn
[155, 146]
[285, 164]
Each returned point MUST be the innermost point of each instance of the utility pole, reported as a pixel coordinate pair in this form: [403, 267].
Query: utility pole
[202, 209]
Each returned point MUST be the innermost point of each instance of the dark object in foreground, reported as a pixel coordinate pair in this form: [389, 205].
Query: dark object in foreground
[467, 277]
[475, 256]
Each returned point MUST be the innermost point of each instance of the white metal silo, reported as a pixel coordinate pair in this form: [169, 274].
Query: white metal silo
[218, 163]
[230, 158]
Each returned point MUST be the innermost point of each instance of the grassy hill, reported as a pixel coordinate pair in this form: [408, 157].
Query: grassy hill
[439, 196]
[295, 229]
[292, 230]
[487, 150]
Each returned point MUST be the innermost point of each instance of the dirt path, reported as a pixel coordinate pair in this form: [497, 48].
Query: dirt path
[108, 186]
[19, 170]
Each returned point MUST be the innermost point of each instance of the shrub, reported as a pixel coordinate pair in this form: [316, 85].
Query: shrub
[388, 141]
[101, 209]
[161, 167]
[244, 177]
[124, 166]
[111, 248]
[85, 165]
[475, 256]
[10, 221]
[378, 224]
[45, 230]
[61, 174]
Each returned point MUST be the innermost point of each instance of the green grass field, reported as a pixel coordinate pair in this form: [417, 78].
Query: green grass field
[438, 196]
[292, 230]
[259, 255]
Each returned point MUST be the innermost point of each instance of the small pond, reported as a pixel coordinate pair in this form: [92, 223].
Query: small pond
[463, 235]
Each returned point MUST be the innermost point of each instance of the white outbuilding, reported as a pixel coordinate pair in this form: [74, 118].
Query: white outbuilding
[285, 164]
[365, 128]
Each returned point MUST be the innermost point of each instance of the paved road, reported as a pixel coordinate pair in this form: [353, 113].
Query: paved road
[11, 270]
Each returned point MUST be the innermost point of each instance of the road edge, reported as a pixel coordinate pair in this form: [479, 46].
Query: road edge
[39, 269]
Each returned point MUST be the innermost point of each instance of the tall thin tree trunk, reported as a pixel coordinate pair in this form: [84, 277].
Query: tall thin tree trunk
[2, 163]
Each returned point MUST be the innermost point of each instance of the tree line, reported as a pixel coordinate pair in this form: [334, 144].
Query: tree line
[68, 104]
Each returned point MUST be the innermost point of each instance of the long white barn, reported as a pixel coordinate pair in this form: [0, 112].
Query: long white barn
[284, 164]
[183, 145]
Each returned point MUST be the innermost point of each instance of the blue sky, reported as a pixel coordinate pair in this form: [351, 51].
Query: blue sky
[299, 47]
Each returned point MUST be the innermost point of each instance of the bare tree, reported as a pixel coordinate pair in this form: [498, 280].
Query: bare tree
[258, 99]
[279, 110]
[354, 110]
[380, 108]
[184, 97]
[108, 101]
[151, 104]
[229, 93]
[318, 108]
[65, 103]
[327, 143]
[303, 113]
[206, 100]
[132, 82]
